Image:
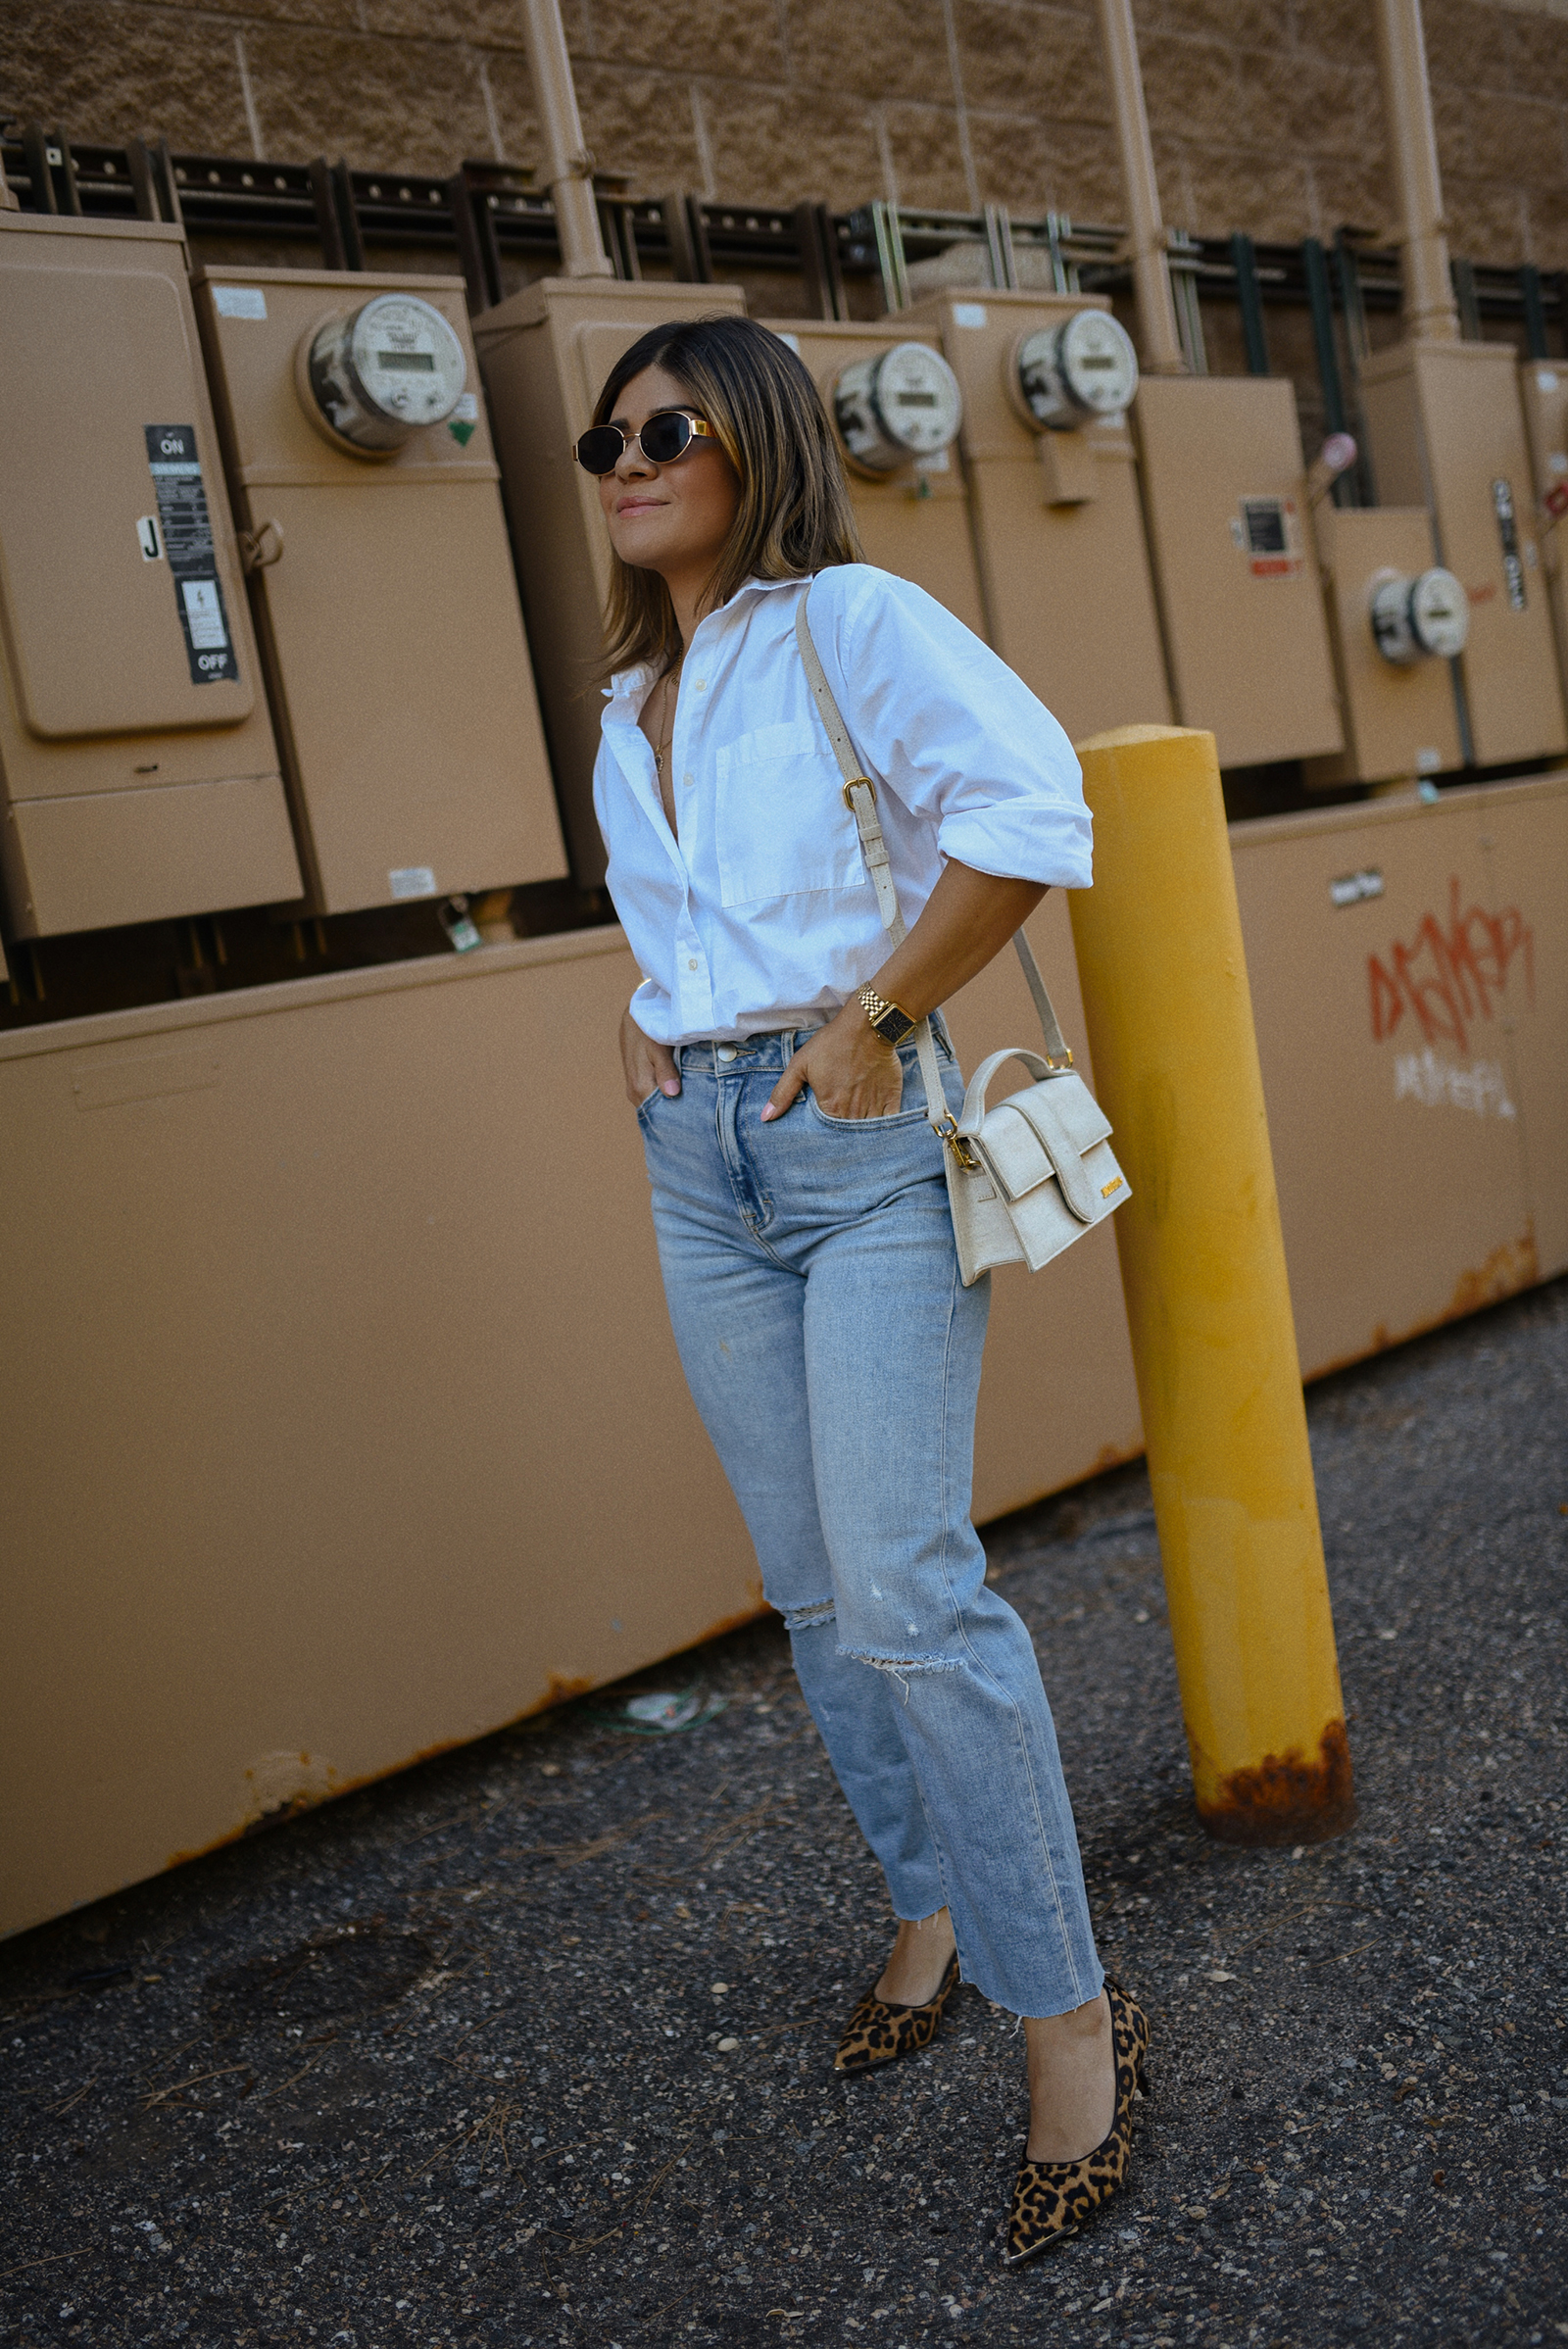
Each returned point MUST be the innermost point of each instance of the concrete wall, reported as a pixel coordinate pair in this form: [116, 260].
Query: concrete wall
[1265, 111]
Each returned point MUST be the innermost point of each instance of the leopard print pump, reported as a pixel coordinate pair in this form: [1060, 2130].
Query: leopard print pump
[878, 2031]
[1050, 2200]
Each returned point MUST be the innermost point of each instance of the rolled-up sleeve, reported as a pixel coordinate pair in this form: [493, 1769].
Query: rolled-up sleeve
[952, 731]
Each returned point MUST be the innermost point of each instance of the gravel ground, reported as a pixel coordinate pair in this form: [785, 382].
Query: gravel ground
[533, 2044]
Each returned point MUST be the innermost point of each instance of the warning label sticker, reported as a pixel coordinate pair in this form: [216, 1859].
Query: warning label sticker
[1268, 536]
[187, 535]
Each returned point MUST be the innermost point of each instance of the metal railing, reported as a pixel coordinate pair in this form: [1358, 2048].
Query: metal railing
[493, 219]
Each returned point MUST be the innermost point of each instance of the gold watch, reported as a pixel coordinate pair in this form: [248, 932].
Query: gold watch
[890, 1020]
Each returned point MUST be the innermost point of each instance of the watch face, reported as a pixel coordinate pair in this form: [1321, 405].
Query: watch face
[893, 1025]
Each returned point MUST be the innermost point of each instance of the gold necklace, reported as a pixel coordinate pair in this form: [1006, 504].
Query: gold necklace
[662, 750]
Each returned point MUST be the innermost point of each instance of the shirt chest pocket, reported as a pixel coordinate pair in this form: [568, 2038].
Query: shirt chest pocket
[781, 827]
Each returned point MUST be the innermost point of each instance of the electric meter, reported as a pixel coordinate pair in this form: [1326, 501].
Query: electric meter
[378, 374]
[902, 404]
[1063, 377]
[1411, 617]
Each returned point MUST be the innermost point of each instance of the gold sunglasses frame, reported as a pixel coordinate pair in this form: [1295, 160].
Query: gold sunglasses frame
[702, 429]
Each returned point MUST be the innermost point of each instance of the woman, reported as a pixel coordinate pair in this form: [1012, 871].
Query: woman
[798, 1188]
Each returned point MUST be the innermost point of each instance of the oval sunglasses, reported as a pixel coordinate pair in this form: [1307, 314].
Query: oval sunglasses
[664, 437]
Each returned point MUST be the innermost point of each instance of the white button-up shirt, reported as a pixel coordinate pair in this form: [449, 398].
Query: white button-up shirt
[758, 912]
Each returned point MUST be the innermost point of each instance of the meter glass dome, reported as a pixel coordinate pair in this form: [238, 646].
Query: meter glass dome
[1440, 613]
[1414, 618]
[903, 403]
[386, 371]
[1099, 365]
[1068, 374]
[917, 398]
[408, 360]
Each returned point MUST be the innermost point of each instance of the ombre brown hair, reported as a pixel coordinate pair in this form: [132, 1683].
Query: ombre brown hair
[795, 518]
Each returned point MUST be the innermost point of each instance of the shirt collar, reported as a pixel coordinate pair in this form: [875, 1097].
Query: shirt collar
[631, 684]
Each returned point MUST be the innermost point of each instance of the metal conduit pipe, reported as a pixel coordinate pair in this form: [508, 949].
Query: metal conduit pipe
[1161, 353]
[569, 166]
[1430, 311]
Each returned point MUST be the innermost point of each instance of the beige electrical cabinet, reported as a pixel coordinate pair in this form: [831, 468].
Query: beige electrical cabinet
[1446, 430]
[1224, 499]
[437, 1466]
[1064, 567]
[546, 352]
[397, 1525]
[363, 477]
[1545, 391]
[897, 409]
[1396, 622]
[1409, 978]
[140, 775]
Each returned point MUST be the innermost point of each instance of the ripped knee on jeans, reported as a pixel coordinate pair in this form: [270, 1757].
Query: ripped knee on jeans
[809, 1618]
[900, 1667]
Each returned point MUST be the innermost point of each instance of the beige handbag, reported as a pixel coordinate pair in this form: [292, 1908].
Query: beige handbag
[1029, 1177]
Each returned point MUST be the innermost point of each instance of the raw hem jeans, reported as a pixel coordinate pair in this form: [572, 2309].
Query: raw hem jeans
[835, 1357]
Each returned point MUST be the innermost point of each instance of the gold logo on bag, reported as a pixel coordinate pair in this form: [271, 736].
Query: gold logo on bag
[1105, 1188]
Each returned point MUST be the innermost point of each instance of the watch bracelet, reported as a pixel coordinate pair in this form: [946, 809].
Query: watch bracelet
[877, 1009]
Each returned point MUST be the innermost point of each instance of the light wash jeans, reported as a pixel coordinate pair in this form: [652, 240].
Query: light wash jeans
[835, 1357]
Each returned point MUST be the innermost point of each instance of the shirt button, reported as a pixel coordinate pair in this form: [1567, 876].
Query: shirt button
[688, 779]
[701, 684]
[692, 964]
[726, 1051]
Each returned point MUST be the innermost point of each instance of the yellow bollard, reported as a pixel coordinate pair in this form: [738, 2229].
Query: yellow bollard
[1170, 1017]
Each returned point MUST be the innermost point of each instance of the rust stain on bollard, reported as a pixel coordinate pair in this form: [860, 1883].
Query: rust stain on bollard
[1287, 1799]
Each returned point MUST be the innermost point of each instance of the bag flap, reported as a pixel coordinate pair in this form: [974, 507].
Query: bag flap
[1055, 1113]
[1073, 1109]
[1018, 1158]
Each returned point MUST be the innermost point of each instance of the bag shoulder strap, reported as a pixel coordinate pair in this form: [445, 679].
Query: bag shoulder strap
[860, 794]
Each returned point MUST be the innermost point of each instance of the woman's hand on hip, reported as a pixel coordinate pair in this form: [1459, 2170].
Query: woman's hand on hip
[648, 1067]
[848, 1067]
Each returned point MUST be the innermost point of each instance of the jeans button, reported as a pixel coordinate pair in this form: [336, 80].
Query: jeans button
[726, 1051]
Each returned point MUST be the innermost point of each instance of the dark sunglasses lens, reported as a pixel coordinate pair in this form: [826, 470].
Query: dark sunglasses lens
[599, 450]
[664, 437]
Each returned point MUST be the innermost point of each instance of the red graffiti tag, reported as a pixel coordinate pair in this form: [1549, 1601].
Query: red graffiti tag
[1448, 977]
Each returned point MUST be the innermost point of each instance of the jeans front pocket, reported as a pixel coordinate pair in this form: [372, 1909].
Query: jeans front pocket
[913, 1107]
[892, 1123]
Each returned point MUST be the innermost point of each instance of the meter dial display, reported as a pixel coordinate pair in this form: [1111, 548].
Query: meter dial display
[902, 404]
[380, 374]
[1413, 618]
[1063, 377]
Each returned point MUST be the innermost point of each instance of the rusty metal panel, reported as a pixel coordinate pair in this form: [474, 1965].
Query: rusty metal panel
[1524, 836]
[297, 1492]
[366, 1434]
[300, 1489]
[1407, 981]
